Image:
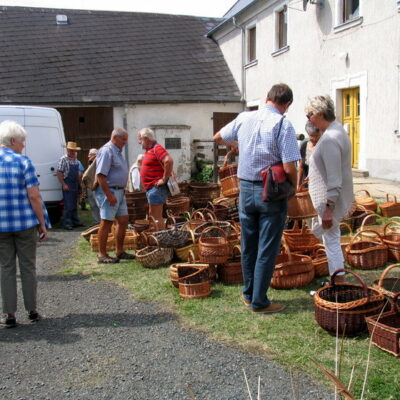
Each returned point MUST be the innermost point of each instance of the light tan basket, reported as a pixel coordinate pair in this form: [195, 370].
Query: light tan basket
[94, 242]
[391, 208]
[300, 205]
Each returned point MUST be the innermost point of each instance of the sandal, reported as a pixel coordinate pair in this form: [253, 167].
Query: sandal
[125, 256]
[107, 260]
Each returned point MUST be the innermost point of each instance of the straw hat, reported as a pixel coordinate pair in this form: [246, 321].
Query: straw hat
[72, 146]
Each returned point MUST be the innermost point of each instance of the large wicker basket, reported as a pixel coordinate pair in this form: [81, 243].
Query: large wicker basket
[392, 240]
[366, 254]
[178, 204]
[391, 208]
[94, 242]
[363, 198]
[193, 282]
[292, 270]
[300, 239]
[173, 269]
[388, 286]
[341, 308]
[300, 205]
[213, 246]
[228, 177]
[154, 256]
[385, 329]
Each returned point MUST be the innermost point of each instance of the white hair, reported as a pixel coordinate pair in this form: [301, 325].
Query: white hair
[11, 130]
[147, 133]
[93, 151]
[119, 132]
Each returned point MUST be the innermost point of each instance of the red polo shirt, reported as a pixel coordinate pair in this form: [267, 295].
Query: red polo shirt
[152, 168]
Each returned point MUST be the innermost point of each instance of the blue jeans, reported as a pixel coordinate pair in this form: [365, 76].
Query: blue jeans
[262, 226]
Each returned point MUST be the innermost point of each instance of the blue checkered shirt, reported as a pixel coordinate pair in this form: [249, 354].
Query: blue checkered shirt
[264, 139]
[16, 175]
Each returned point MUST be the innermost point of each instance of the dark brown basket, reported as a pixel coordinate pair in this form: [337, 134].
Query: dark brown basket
[391, 208]
[341, 308]
[203, 192]
[221, 210]
[388, 286]
[365, 254]
[178, 204]
[193, 282]
[292, 270]
[231, 271]
[357, 217]
[385, 329]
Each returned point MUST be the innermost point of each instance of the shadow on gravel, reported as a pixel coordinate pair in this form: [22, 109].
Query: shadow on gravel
[62, 278]
[61, 330]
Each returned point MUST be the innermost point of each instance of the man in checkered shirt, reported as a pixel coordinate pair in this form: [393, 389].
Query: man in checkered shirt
[264, 138]
[22, 217]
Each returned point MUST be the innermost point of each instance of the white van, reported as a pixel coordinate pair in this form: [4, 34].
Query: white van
[45, 144]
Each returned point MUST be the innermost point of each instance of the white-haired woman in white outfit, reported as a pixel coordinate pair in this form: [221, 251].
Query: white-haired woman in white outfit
[330, 178]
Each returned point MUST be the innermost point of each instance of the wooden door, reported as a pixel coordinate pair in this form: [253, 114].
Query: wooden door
[351, 120]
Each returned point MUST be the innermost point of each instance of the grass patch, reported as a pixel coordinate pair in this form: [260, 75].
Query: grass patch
[291, 338]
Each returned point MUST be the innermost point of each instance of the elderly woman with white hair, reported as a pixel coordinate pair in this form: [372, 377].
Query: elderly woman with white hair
[134, 175]
[156, 168]
[330, 178]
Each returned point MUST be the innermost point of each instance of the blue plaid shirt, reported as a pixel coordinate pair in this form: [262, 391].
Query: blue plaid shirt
[264, 139]
[16, 175]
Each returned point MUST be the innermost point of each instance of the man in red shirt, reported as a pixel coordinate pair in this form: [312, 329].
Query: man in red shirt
[156, 168]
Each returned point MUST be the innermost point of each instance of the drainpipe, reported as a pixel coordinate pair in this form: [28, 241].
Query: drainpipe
[125, 126]
[243, 76]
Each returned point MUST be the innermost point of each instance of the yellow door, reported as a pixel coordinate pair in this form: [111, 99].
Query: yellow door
[351, 118]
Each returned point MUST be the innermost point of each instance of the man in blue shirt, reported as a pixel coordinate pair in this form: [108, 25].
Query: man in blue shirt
[264, 138]
[112, 176]
[22, 217]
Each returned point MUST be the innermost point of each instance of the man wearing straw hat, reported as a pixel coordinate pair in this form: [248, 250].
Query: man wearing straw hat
[69, 176]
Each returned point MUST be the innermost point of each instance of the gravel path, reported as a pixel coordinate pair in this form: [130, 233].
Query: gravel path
[96, 342]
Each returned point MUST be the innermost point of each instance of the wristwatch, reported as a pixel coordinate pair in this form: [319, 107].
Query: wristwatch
[330, 206]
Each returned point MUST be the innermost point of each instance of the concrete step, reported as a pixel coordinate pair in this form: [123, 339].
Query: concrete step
[360, 173]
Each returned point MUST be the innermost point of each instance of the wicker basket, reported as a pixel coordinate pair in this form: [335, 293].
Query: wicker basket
[154, 256]
[392, 240]
[173, 238]
[366, 254]
[203, 192]
[341, 308]
[232, 203]
[198, 218]
[178, 204]
[300, 239]
[94, 242]
[183, 252]
[377, 226]
[220, 209]
[320, 261]
[300, 205]
[228, 176]
[137, 205]
[388, 286]
[292, 270]
[213, 246]
[90, 231]
[173, 269]
[356, 218]
[193, 282]
[231, 271]
[391, 208]
[363, 198]
[130, 240]
[385, 329]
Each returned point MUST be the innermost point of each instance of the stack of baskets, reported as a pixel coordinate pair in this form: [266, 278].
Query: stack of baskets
[341, 308]
[391, 208]
[137, 205]
[228, 177]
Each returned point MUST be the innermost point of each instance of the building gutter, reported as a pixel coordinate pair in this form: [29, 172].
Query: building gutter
[242, 69]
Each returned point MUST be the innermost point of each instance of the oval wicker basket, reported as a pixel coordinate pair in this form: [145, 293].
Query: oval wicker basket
[388, 286]
[341, 308]
[193, 282]
[392, 240]
[203, 192]
[292, 270]
[213, 246]
[365, 254]
[300, 239]
[154, 256]
[173, 269]
[300, 205]
[366, 200]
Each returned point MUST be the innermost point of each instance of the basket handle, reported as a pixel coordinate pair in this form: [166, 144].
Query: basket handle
[366, 217]
[192, 236]
[197, 213]
[394, 303]
[191, 257]
[238, 250]
[348, 227]
[210, 228]
[154, 239]
[286, 249]
[389, 224]
[385, 272]
[227, 156]
[388, 199]
[319, 249]
[364, 286]
[363, 190]
[364, 231]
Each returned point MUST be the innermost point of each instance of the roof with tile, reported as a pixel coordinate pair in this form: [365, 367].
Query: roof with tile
[110, 57]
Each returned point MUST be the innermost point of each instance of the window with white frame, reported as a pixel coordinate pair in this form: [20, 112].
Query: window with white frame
[349, 10]
[251, 44]
[281, 28]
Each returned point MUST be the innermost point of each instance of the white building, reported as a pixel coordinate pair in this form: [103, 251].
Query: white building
[349, 49]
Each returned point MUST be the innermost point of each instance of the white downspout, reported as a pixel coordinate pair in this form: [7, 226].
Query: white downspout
[243, 76]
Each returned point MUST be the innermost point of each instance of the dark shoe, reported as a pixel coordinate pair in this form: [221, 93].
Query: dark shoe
[80, 225]
[107, 260]
[8, 322]
[272, 308]
[34, 316]
[245, 301]
[125, 256]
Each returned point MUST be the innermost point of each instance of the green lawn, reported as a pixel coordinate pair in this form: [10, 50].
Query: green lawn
[290, 338]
